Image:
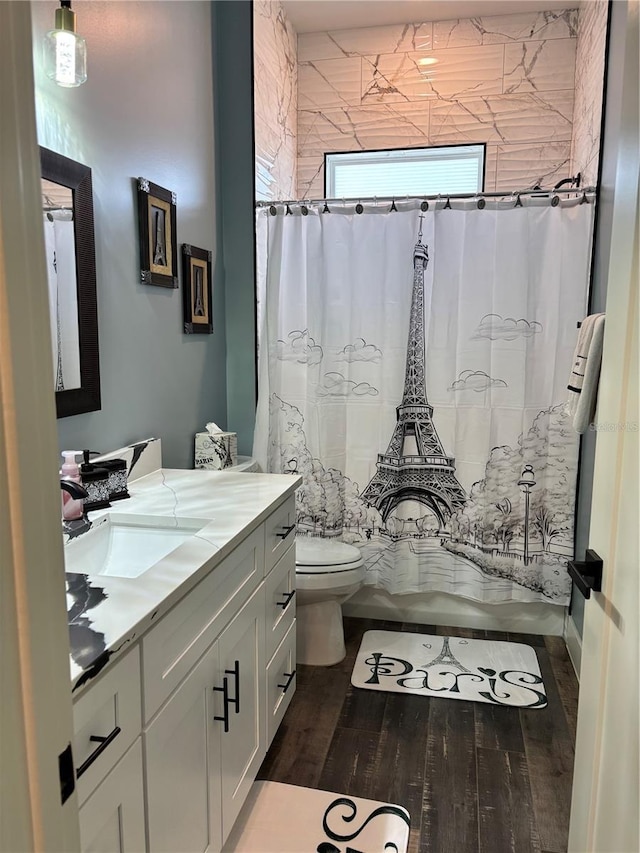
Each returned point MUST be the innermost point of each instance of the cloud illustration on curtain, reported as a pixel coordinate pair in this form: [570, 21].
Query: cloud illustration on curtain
[476, 380]
[498, 328]
[336, 385]
[300, 348]
[360, 350]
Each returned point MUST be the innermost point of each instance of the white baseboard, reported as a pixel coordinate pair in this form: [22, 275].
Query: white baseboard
[439, 608]
[573, 641]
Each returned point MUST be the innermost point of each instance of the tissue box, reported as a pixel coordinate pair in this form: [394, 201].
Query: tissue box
[217, 451]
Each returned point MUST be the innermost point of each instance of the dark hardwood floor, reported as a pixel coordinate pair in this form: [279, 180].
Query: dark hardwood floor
[473, 776]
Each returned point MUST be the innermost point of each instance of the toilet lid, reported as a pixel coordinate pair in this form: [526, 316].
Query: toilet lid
[315, 554]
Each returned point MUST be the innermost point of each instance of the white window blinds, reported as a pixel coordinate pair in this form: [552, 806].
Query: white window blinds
[409, 171]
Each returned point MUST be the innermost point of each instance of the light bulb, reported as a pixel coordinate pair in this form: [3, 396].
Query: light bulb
[65, 52]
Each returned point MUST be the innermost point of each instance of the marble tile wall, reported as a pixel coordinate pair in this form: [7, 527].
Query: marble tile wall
[587, 111]
[275, 95]
[505, 80]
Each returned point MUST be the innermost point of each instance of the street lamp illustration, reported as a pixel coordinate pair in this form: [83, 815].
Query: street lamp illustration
[527, 482]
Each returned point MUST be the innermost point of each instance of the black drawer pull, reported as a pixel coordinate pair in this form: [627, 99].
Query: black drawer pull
[104, 743]
[235, 671]
[289, 676]
[587, 576]
[288, 596]
[225, 703]
[285, 531]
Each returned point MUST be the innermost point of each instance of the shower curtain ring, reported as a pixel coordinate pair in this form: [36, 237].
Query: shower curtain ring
[447, 205]
[359, 207]
[325, 209]
[424, 206]
[393, 206]
[288, 210]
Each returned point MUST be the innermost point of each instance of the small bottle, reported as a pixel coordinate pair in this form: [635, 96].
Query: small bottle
[71, 507]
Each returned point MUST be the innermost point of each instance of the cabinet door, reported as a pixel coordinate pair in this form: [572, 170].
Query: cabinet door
[280, 603]
[183, 795]
[112, 819]
[281, 681]
[243, 746]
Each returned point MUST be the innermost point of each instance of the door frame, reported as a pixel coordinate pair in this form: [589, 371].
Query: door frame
[606, 784]
[37, 723]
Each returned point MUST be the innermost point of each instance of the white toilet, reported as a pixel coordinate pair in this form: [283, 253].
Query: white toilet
[328, 572]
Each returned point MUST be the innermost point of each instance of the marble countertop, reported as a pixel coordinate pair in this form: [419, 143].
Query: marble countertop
[106, 614]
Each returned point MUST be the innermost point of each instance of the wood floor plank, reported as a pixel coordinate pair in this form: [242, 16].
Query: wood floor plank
[450, 805]
[507, 822]
[350, 763]
[401, 754]
[565, 678]
[299, 750]
[417, 628]
[449, 631]
[549, 748]
[498, 727]
[363, 709]
[535, 640]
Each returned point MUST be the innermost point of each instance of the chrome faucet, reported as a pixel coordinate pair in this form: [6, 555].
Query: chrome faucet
[74, 527]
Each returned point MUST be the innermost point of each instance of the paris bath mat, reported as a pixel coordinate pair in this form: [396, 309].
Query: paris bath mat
[279, 818]
[491, 671]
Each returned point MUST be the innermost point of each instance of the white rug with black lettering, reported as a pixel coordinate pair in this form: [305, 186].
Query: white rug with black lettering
[493, 671]
[279, 818]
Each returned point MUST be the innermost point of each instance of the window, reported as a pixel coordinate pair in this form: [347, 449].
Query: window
[405, 171]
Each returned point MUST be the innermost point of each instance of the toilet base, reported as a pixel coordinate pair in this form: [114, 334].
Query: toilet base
[320, 635]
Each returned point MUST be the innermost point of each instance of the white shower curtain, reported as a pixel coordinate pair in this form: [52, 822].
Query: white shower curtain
[425, 407]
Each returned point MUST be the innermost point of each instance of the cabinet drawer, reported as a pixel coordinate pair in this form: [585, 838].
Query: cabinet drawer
[281, 681]
[172, 647]
[110, 709]
[279, 531]
[280, 587]
[112, 819]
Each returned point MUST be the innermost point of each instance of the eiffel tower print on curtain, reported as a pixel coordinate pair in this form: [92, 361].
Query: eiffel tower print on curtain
[415, 466]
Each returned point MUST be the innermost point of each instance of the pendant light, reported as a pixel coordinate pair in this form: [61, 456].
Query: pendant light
[65, 52]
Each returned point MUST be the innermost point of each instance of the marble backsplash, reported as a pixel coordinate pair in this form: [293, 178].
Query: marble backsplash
[587, 112]
[505, 80]
[275, 95]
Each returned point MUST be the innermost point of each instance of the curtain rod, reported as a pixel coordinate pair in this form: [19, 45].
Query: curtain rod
[440, 197]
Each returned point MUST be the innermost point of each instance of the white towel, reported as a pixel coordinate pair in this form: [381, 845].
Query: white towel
[585, 372]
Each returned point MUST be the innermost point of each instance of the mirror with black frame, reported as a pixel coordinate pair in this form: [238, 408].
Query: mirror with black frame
[67, 207]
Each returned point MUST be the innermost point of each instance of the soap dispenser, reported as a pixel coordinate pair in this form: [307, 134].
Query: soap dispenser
[71, 507]
[95, 479]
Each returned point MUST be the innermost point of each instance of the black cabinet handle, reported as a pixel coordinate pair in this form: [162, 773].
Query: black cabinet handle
[104, 743]
[285, 531]
[288, 596]
[236, 672]
[587, 575]
[225, 703]
[289, 676]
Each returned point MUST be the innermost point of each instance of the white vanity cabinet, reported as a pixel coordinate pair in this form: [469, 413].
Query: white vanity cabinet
[204, 747]
[197, 702]
[112, 818]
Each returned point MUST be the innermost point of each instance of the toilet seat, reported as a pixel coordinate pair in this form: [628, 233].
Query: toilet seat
[325, 556]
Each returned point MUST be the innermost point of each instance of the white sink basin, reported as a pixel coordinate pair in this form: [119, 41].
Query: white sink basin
[126, 546]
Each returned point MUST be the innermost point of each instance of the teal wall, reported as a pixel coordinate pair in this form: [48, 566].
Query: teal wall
[147, 109]
[233, 72]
